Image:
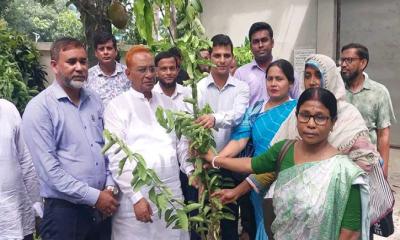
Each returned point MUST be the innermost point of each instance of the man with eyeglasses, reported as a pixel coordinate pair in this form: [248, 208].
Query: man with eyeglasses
[131, 116]
[261, 38]
[370, 97]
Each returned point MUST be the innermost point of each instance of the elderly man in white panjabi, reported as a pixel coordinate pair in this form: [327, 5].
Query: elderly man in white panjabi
[131, 116]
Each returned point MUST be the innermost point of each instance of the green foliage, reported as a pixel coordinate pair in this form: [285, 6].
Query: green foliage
[21, 75]
[210, 209]
[49, 21]
[243, 53]
[174, 210]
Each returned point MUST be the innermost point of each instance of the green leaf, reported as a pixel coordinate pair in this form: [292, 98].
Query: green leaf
[160, 117]
[138, 185]
[182, 219]
[191, 207]
[168, 213]
[197, 5]
[171, 220]
[229, 216]
[122, 164]
[196, 219]
[167, 15]
[152, 195]
[162, 201]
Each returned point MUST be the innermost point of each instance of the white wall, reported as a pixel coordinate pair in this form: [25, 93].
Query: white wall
[296, 23]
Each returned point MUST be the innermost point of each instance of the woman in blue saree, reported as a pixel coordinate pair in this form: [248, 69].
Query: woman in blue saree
[260, 125]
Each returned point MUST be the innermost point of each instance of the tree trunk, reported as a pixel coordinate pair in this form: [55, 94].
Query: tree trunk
[173, 20]
[94, 19]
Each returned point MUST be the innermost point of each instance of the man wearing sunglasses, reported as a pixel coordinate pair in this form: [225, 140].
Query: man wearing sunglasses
[370, 97]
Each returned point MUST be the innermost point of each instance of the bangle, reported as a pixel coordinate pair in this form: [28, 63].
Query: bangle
[213, 162]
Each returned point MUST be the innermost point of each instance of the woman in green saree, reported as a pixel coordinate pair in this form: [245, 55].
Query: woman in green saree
[319, 193]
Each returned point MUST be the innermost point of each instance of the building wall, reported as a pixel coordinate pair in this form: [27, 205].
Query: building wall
[376, 24]
[296, 23]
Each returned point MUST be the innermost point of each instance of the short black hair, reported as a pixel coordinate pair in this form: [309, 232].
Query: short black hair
[258, 26]
[176, 52]
[286, 68]
[323, 96]
[162, 55]
[221, 40]
[102, 38]
[63, 44]
[361, 50]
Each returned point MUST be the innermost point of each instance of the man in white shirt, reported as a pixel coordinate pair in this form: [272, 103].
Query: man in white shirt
[131, 116]
[228, 98]
[19, 184]
[167, 72]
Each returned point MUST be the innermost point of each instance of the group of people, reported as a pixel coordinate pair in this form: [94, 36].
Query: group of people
[310, 139]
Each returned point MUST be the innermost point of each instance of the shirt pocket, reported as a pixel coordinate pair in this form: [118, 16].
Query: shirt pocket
[97, 127]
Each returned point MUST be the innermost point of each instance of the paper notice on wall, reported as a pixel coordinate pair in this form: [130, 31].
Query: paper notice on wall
[300, 56]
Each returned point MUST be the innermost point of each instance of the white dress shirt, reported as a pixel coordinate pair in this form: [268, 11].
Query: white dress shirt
[19, 186]
[228, 103]
[181, 92]
[132, 118]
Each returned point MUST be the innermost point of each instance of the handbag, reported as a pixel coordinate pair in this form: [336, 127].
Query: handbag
[381, 200]
[385, 226]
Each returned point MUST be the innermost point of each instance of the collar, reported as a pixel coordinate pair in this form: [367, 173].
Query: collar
[118, 70]
[229, 82]
[179, 89]
[253, 64]
[59, 92]
[367, 82]
[139, 95]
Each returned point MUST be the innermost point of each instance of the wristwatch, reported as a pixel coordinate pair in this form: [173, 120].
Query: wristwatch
[113, 189]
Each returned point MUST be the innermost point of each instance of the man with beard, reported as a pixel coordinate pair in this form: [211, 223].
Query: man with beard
[131, 116]
[167, 72]
[228, 98]
[370, 97]
[63, 128]
[261, 39]
[107, 78]
[182, 74]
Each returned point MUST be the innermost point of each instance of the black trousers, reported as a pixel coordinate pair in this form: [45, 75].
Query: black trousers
[63, 220]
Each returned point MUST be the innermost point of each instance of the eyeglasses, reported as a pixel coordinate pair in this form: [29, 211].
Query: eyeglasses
[347, 60]
[318, 119]
[143, 70]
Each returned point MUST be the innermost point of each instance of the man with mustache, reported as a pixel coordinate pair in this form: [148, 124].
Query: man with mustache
[261, 39]
[107, 78]
[371, 98]
[228, 98]
[62, 127]
[131, 116]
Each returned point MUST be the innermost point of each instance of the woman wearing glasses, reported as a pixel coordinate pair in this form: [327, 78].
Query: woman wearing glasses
[349, 135]
[319, 192]
[260, 124]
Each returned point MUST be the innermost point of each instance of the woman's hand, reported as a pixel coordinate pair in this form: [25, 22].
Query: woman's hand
[208, 156]
[227, 195]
